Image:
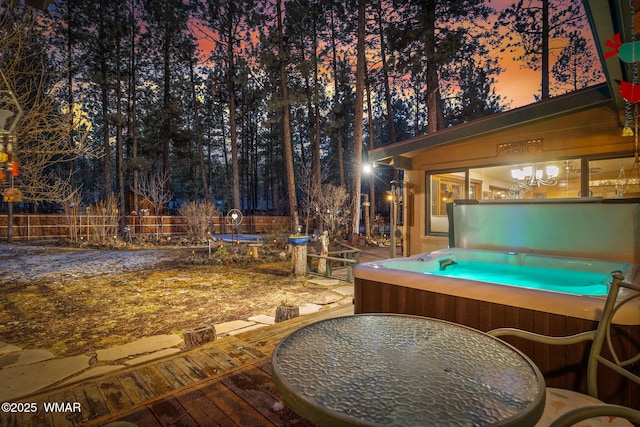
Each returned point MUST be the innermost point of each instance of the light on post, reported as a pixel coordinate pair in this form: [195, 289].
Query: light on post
[367, 169]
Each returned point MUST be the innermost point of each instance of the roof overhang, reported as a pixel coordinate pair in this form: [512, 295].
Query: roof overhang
[399, 155]
[606, 19]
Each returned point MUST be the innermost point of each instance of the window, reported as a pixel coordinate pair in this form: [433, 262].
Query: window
[614, 178]
[536, 180]
[444, 189]
[608, 178]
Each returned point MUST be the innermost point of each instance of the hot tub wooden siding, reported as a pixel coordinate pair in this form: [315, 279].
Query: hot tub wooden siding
[562, 366]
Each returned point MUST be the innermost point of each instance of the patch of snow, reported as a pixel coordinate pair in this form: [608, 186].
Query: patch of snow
[19, 263]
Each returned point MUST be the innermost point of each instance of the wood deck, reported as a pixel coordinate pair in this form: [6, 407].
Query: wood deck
[223, 383]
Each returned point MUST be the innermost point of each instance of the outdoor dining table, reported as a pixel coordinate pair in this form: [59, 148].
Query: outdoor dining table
[400, 370]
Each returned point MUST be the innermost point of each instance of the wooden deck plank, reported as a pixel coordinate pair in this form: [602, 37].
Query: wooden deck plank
[113, 393]
[11, 419]
[134, 387]
[203, 410]
[266, 367]
[170, 370]
[255, 387]
[194, 387]
[142, 417]
[220, 357]
[190, 368]
[265, 339]
[156, 383]
[240, 350]
[325, 313]
[66, 418]
[92, 401]
[78, 395]
[267, 344]
[267, 370]
[210, 365]
[237, 409]
[171, 413]
[143, 406]
[40, 418]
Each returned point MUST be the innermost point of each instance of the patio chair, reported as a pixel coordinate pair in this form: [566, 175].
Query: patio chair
[566, 407]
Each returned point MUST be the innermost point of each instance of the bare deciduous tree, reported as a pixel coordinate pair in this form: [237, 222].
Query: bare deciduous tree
[71, 208]
[102, 219]
[155, 189]
[333, 208]
[45, 151]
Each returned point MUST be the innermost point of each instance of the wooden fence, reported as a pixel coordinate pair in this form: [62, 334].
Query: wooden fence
[55, 226]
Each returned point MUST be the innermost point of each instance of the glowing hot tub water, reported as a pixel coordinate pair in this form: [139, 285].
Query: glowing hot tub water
[550, 273]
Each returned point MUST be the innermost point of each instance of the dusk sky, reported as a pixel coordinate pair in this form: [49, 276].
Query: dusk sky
[521, 84]
[517, 84]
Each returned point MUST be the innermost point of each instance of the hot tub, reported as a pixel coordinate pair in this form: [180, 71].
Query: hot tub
[426, 285]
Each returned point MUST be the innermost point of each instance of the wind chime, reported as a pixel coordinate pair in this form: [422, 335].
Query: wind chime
[8, 159]
[9, 108]
[628, 53]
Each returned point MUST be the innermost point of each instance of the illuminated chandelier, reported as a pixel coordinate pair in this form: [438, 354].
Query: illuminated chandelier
[530, 177]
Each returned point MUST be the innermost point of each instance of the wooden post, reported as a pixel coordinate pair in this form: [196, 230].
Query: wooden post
[286, 312]
[198, 336]
[10, 222]
[299, 260]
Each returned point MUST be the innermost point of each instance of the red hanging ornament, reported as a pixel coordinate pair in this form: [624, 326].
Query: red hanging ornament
[14, 169]
[630, 92]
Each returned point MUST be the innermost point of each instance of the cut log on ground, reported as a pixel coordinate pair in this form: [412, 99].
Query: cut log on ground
[198, 336]
[286, 312]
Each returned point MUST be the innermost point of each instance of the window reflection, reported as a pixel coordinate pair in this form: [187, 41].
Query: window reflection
[445, 188]
[614, 178]
[609, 178]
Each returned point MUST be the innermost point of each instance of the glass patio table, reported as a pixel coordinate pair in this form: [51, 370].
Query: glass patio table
[399, 370]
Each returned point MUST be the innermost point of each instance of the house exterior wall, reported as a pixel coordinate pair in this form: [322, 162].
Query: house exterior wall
[593, 133]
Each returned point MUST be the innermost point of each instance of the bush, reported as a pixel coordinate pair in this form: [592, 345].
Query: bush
[200, 217]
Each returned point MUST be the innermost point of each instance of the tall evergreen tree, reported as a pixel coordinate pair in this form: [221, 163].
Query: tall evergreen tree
[533, 27]
[427, 37]
[286, 120]
[359, 122]
[245, 127]
[380, 12]
[576, 68]
[167, 26]
[303, 28]
[470, 81]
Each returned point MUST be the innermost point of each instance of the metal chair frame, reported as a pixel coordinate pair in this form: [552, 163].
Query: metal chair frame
[598, 337]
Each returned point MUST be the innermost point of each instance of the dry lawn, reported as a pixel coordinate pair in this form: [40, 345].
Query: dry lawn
[74, 302]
